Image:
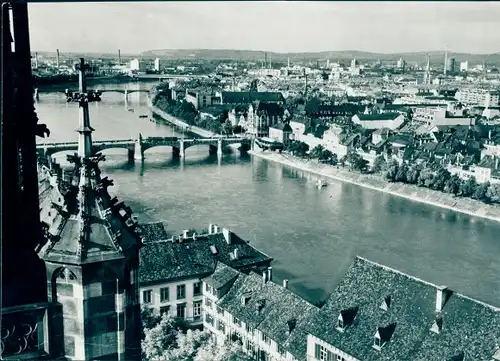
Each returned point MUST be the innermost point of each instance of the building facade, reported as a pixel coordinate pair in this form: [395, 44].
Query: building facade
[376, 121]
[171, 269]
[481, 97]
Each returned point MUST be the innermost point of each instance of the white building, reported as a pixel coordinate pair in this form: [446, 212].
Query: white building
[464, 66]
[137, 65]
[481, 97]
[377, 121]
[450, 115]
[158, 66]
[268, 319]
[171, 269]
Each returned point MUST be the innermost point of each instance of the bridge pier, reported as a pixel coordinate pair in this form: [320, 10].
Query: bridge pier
[182, 149]
[126, 95]
[131, 154]
[138, 150]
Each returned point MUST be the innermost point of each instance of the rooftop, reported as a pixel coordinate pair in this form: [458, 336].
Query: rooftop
[274, 310]
[375, 117]
[198, 257]
[385, 299]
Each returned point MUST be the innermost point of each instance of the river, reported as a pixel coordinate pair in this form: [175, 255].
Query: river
[312, 234]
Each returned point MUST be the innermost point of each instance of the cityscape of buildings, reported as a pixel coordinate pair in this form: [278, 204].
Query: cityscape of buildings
[102, 266]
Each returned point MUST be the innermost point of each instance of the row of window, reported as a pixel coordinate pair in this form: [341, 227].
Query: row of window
[321, 353]
[147, 295]
[180, 310]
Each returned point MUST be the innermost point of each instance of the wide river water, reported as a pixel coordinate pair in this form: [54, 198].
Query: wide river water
[312, 234]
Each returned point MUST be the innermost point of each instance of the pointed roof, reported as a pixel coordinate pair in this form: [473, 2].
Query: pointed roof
[82, 222]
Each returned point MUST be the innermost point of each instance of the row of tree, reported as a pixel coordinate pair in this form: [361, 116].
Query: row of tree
[187, 112]
[164, 339]
[430, 175]
[433, 176]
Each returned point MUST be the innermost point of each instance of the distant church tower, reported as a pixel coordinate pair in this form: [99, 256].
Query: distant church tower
[427, 74]
[91, 257]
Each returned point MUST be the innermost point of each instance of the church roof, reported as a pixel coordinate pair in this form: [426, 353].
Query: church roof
[81, 221]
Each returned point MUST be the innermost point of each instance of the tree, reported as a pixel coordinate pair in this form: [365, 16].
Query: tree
[468, 188]
[412, 174]
[442, 175]
[401, 174]
[379, 164]
[452, 184]
[493, 193]
[228, 127]
[481, 191]
[159, 339]
[334, 159]
[392, 170]
[356, 161]
[317, 150]
[325, 155]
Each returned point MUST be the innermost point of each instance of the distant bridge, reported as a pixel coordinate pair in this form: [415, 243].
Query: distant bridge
[137, 147]
[125, 92]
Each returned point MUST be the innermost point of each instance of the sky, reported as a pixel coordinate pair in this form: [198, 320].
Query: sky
[383, 27]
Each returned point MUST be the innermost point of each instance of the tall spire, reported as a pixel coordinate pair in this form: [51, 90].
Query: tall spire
[445, 61]
[85, 136]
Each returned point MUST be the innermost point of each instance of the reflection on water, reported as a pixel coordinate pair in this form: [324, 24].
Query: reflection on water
[312, 233]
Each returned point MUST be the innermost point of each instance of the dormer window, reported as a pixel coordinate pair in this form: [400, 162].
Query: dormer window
[386, 303]
[437, 325]
[346, 318]
[383, 335]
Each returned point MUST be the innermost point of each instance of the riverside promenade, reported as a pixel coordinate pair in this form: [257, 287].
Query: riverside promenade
[467, 206]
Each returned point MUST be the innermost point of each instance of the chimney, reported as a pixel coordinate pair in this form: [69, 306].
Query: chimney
[285, 283]
[185, 234]
[134, 218]
[264, 276]
[236, 253]
[119, 57]
[57, 58]
[210, 228]
[216, 229]
[227, 235]
[269, 273]
[442, 296]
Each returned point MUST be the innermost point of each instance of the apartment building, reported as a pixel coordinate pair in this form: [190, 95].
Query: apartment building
[481, 97]
[170, 270]
[378, 313]
[267, 318]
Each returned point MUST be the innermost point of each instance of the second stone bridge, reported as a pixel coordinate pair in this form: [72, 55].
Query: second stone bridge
[137, 147]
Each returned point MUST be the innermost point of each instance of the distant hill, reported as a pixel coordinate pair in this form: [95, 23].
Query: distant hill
[251, 55]
[437, 57]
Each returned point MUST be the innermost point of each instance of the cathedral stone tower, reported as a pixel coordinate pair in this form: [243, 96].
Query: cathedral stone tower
[91, 257]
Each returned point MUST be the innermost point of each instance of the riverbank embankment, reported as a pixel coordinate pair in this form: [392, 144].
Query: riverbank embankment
[467, 206]
[181, 124]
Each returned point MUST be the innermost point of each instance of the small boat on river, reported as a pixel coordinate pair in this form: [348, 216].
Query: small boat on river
[321, 183]
[143, 116]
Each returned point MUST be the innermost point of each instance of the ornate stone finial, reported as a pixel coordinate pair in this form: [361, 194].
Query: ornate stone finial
[74, 159]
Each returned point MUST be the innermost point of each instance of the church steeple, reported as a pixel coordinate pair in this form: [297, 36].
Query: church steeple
[85, 137]
[91, 255]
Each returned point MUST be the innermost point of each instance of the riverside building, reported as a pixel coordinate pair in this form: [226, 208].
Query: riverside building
[374, 313]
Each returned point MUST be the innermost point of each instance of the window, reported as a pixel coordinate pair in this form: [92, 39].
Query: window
[340, 358]
[209, 319]
[265, 338]
[208, 303]
[146, 296]
[181, 310]
[220, 311]
[207, 287]
[221, 326]
[321, 353]
[281, 350]
[197, 309]
[236, 322]
[164, 309]
[197, 289]
[164, 294]
[249, 329]
[181, 292]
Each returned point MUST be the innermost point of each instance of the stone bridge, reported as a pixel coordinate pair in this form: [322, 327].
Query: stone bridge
[137, 147]
[125, 92]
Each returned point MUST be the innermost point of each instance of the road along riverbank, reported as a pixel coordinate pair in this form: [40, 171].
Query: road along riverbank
[418, 194]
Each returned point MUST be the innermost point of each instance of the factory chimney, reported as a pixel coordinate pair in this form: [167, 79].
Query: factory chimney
[119, 57]
[57, 58]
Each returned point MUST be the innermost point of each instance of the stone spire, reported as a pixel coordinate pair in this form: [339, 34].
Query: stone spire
[86, 223]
